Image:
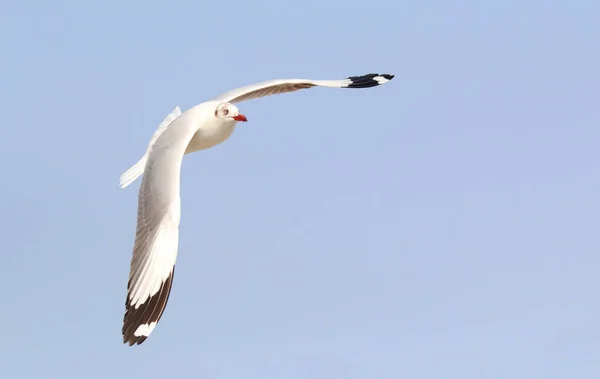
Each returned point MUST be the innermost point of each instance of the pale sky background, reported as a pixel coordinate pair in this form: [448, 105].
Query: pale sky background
[444, 225]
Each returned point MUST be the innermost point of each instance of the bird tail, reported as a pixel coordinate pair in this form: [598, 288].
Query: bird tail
[133, 172]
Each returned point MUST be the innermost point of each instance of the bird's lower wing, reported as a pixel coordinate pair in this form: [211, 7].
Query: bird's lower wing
[277, 86]
[153, 262]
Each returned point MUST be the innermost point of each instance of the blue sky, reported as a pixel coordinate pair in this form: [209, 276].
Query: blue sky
[444, 225]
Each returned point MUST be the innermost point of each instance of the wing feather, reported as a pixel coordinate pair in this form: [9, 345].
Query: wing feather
[152, 265]
[278, 86]
[157, 231]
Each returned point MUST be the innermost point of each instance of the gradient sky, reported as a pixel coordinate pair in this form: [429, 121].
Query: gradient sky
[444, 225]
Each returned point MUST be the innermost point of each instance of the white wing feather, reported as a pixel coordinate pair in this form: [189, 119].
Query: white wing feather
[157, 231]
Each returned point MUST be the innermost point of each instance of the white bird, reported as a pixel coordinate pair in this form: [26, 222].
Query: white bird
[159, 208]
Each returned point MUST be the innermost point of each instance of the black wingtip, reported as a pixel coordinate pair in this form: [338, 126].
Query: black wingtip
[150, 311]
[369, 80]
[134, 340]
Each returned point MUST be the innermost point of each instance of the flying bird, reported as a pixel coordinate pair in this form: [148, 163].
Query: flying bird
[159, 207]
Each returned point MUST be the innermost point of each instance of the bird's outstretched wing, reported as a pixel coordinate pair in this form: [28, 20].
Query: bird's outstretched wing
[277, 86]
[157, 233]
[137, 169]
[152, 264]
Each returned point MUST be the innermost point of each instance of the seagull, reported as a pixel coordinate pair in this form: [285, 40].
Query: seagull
[159, 207]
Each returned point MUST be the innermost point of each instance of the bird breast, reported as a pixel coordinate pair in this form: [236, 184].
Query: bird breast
[209, 135]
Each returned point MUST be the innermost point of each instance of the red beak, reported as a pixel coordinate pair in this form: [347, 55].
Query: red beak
[240, 117]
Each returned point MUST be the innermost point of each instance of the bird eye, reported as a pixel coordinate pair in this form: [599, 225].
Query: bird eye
[225, 111]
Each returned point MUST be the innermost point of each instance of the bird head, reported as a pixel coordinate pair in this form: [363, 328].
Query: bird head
[229, 112]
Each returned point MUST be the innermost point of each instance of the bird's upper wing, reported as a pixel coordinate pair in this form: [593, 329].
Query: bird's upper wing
[277, 86]
[133, 172]
[157, 234]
